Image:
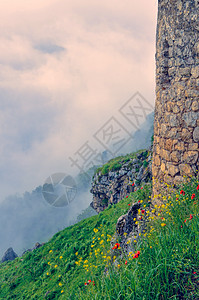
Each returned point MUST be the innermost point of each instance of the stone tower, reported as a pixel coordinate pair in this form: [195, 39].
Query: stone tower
[176, 125]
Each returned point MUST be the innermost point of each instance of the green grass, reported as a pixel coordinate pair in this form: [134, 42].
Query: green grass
[167, 267]
[116, 163]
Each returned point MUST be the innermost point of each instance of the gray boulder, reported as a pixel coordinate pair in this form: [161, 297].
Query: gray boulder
[9, 255]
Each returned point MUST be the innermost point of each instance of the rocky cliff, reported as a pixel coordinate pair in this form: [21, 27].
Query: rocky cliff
[120, 176]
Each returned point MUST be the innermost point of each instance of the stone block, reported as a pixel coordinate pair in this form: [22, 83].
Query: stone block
[186, 170]
[168, 144]
[190, 157]
[175, 156]
[186, 134]
[196, 134]
[172, 169]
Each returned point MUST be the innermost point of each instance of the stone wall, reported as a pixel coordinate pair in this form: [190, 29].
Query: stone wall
[176, 124]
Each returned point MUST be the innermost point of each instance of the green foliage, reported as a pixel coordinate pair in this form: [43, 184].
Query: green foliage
[145, 163]
[116, 163]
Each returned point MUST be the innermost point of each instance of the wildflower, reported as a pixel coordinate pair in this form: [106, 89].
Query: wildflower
[191, 217]
[126, 262]
[193, 196]
[138, 201]
[182, 192]
[129, 204]
[56, 266]
[60, 257]
[185, 221]
[116, 246]
[141, 187]
[50, 251]
[89, 281]
[142, 211]
[197, 188]
[133, 184]
[136, 255]
[194, 273]
[126, 196]
[95, 230]
[62, 291]
[163, 224]
[60, 284]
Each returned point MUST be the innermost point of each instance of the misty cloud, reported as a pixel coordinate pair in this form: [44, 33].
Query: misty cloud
[49, 48]
[66, 68]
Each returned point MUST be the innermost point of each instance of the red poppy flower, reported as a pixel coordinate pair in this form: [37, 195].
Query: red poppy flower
[126, 196]
[185, 221]
[138, 201]
[93, 283]
[182, 192]
[142, 211]
[141, 187]
[135, 189]
[191, 217]
[177, 198]
[116, 246]
[133, 184]
[193, 196]
[89, 281]
[129, 204]
[126, 262]
[194, 273]
[197, 188]
[136, 255]
[181, 226]
[85, 283]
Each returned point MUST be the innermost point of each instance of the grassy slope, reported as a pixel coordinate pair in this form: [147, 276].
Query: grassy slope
[167, 268]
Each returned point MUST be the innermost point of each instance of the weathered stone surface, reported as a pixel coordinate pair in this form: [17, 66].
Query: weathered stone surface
[179, 145]
[195, 106]
[178, 180]
[186, 170]
[163, 167]
[185, 134]
[157, 160]
[165, 154]
[116, 185]
[193, 146]
[172, 169]
[175, 156]
[196, 134]
[195, 72]
[9, 255]
[190, 118]
[190, 157]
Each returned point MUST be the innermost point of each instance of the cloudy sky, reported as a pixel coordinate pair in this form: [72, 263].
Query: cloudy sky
[66, 67]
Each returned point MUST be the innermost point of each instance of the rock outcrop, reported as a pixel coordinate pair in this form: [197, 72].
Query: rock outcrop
[9, 255]
[116, 185]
